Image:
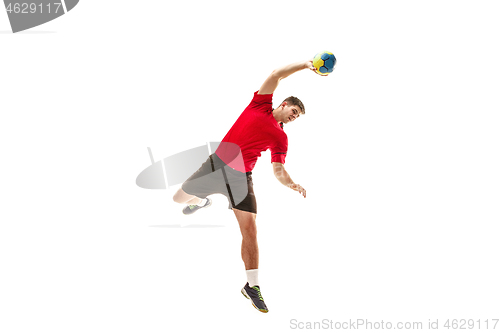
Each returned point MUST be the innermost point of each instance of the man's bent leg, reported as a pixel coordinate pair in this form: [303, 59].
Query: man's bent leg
[183, 198]
[249, 247]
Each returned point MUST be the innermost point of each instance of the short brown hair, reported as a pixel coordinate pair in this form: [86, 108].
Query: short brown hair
[295, 101]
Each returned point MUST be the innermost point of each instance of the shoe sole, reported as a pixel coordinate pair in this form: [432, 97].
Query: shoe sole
[246, 295]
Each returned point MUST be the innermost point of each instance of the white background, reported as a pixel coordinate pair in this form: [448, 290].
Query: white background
[398, 151]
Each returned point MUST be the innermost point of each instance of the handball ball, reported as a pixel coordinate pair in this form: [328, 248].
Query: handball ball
[324, 62]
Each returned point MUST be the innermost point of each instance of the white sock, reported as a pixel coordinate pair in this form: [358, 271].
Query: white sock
[203, 202]
[253, 277]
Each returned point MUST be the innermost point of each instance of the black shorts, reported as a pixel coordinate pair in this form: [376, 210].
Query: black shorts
[214, 176]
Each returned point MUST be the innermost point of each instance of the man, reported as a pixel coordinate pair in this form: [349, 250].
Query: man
[228, 171]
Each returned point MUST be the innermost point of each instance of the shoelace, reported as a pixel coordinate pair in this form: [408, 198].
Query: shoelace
[258, 292]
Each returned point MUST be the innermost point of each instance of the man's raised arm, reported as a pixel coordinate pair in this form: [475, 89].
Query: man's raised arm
[271, 83]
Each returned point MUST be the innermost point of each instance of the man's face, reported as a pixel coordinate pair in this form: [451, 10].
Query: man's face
[289, 113]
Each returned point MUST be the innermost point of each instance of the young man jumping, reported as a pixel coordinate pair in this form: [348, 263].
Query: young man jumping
[229, 170]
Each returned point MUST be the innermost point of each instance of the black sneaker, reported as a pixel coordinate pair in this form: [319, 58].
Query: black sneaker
[253, 293]
[188, 210]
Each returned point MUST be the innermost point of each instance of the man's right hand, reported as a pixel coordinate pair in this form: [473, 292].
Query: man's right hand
[298, 188]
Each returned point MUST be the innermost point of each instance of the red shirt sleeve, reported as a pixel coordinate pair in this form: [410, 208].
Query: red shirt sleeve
[266, 100]
[278, 152]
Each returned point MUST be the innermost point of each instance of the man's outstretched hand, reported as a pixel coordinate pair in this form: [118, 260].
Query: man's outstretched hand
[309, 64]
[298, 188]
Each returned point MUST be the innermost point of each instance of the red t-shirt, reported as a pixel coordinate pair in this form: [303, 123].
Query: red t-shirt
[255, 131]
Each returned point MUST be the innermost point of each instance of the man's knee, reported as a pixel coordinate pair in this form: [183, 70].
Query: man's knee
[246, 220]
[249, 232]
[180, 196]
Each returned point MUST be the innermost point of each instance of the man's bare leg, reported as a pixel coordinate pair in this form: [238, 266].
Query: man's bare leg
[183, 198]
[250, 256]
[249, 246]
